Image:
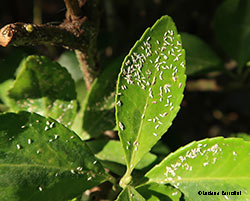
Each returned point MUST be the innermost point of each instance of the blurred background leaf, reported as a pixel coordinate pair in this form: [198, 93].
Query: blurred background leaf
[200, 57]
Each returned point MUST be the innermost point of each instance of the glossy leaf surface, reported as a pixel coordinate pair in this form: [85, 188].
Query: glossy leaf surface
[41, 159]
[210, 165]
[149, 89]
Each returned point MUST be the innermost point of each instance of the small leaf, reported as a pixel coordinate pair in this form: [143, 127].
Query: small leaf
[244, 136]
[156, 192]
[149, 89]
[41, 160]
[99, 114]
[215, 165]
[231, 22]
[44, 87]
[130, 194]
[69, 60]
[105, 149]
[199, 56]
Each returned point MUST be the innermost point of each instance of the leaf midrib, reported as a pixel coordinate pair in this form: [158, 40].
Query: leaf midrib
[142, 120]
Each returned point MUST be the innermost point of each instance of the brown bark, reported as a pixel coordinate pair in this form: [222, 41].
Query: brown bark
[22, 34]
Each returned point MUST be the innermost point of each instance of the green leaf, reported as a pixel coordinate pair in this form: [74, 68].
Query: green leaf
[4, 87]
[105, 149]
[149, 89]
[41, 159]
[81, 91]
[215, 165]
[244, 136]
[44, 87]
[231, 22]
[69, 61]
[160, 148]
[199, 56]
[156, 192]
[130, 194]
[99, 114]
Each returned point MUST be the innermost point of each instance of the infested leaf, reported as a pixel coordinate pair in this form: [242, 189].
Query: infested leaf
[44, 87]
[149, 89]
[41, 159]
[211, 165]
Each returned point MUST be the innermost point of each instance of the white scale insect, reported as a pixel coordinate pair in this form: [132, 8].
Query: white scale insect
[121, 126]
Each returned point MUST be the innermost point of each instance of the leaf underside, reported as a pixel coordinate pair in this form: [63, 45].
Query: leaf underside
[215, 165]
[149, 89]
[41, 159]
[44, 87]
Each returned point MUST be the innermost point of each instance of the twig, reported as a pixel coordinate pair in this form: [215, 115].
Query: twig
[88, 58]
[21, 34]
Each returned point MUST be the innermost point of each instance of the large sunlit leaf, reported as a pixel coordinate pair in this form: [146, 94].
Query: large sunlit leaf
[149, 89]
[210, 165]
[41, 159]
[99, 114]
[199, 56]
[44, 87]
[232, 21]
[130, 194]
[156, 192]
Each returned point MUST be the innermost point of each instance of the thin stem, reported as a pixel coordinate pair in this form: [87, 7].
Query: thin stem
[88, 58]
